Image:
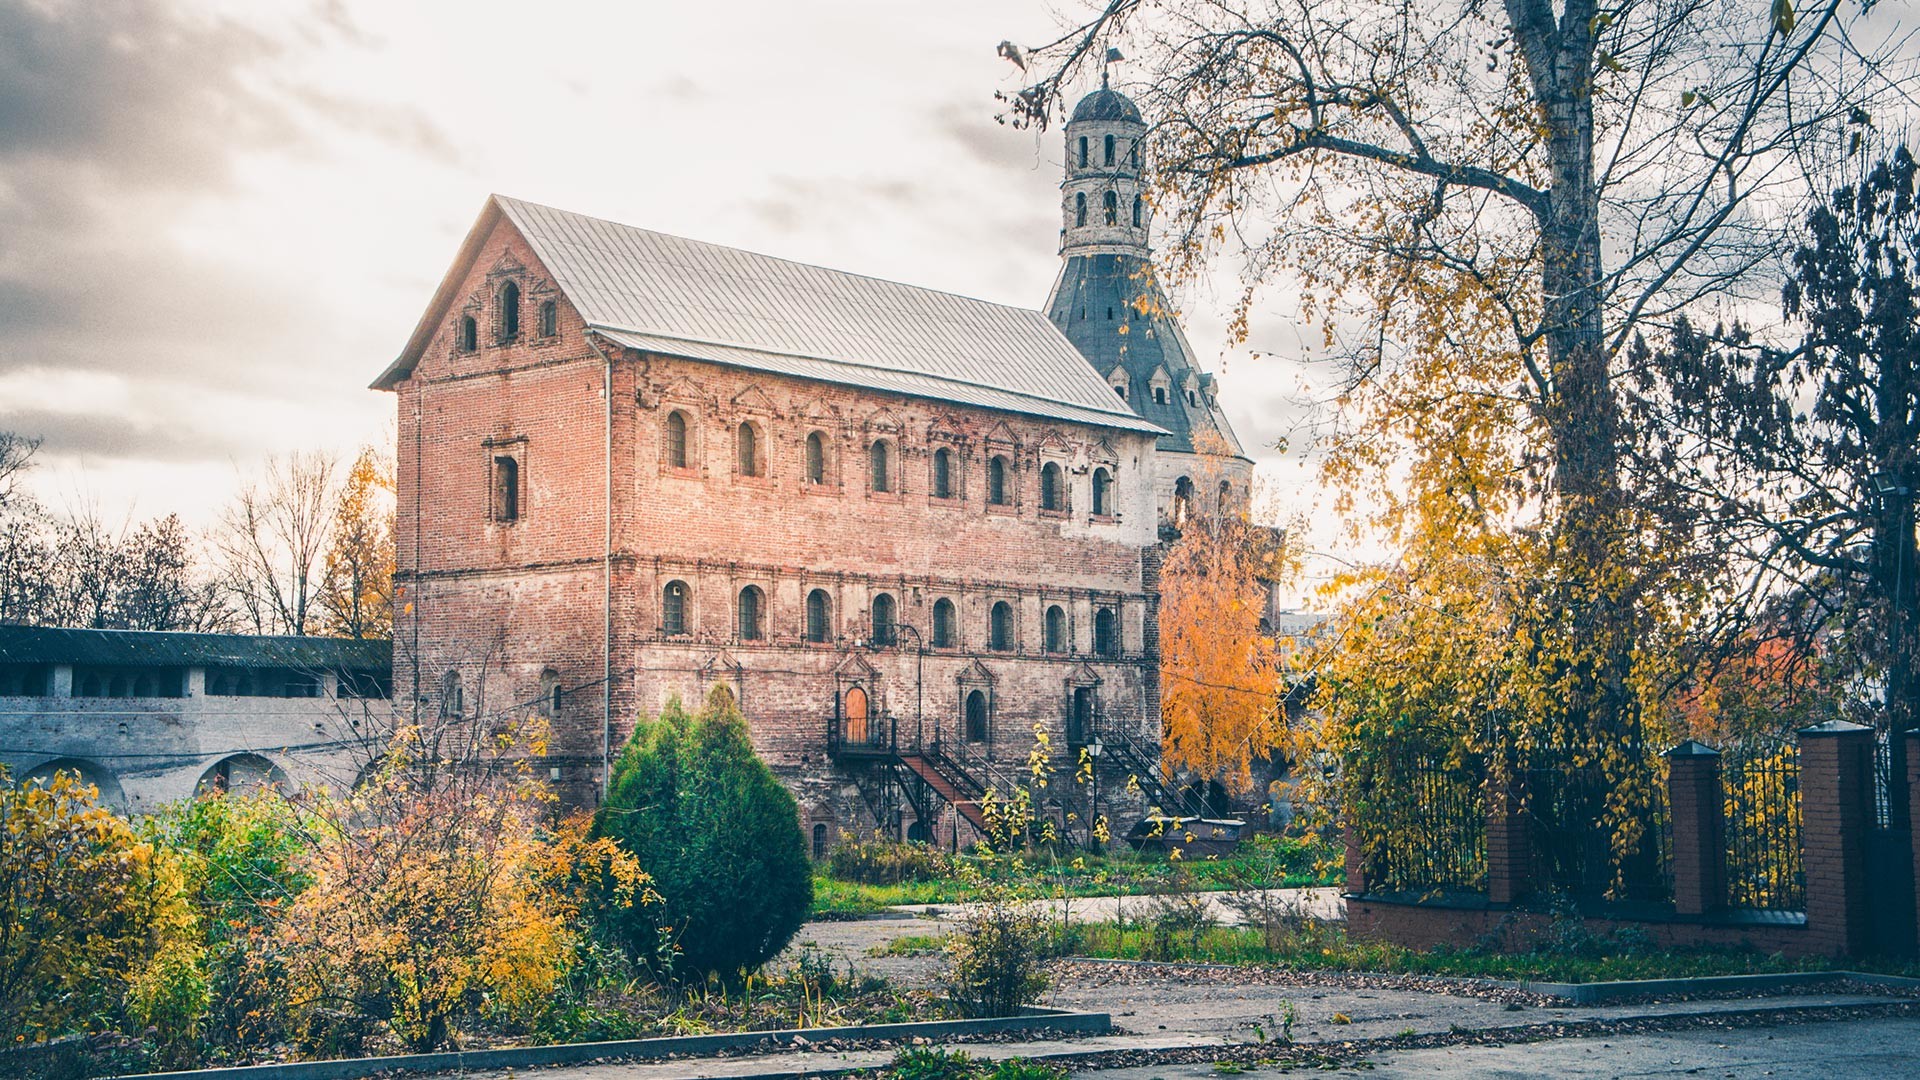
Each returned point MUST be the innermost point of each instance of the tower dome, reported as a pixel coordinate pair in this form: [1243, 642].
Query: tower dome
[1102, 206]
[1106, 104]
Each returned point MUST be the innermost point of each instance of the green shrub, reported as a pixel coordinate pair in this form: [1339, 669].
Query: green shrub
[719, 835]
[1022, 1069]
[879, 861]
[932, 1063]
[993, 962]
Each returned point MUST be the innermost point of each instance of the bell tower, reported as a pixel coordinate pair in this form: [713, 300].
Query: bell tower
[1103, 209]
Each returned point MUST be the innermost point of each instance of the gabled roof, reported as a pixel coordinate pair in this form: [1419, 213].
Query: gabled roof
[152, 648]
[679, 297]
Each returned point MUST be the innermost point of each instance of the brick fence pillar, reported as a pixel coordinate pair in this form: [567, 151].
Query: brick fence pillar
[1509, 845]
[1699, 829]
[1836, 810]
[1356, 884]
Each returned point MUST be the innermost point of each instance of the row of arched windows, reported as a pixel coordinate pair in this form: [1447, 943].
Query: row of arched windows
[883, 475]
[751, 621]
[507, 320]
[1108, 145]
[1110, 208]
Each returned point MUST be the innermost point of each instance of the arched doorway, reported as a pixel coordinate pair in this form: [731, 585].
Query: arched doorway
[87, 772]
[858, 730]
[240, 773]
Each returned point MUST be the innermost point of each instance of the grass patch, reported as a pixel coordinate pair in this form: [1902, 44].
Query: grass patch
[911, 945]
[1263, 862]
[1328, 949]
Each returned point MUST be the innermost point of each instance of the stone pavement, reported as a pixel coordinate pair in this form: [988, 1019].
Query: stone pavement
[1320, 903]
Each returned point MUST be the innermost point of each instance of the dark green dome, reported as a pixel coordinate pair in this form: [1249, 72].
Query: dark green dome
[1105, 104]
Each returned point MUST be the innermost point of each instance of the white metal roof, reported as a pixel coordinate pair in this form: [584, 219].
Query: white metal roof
[683, 297]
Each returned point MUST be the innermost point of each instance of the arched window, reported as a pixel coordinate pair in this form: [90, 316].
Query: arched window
[676, 439]
[881, 461]
[819, 617]
[749, 441]
[883, 619]
[1133, 152]
[1050, 487]
[1182, 500]
[1111, 203]
[1136, 211]
[1109, 150]
[1102, 491]
[1056, 629]
[549, 700]
[976, 716]
[673, 609]
[550, 317]
[942, 474]
[1106, 632]
[469, 334]
[1000, 627]
[816, 458]
[943, 624]
[509, 311]
[506, 488]
[1083, 151]
[453, 697]
[819, 840]
[1120, 389]
[752, 603]
[1159, 395]
[1080, 208]
[997, 480]
[1226, 495]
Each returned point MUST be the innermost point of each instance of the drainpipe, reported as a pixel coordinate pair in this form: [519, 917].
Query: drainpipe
[606, 564]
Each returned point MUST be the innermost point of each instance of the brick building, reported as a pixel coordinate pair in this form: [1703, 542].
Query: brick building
[907, 527]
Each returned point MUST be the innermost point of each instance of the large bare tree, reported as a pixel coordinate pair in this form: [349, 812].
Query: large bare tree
[269, 543]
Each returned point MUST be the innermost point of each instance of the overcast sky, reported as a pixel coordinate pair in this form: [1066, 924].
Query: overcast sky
[220, 220]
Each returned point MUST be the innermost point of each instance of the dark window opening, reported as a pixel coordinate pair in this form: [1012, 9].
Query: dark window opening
[1080, 214]
[1056, 630]
[1083, 151]
[943, 624]
[879, 458]
[749, 450]
[819, 612]
[1159, 395]
[883, 620]
[976, 716]
[997, 481]
[550, 693]
[506, 488]
[167, 682]
[453, 697]
[1082, 715]
[750, 608]
[1102, 496]
[1106, 636]
[819, 841]
[942, 474]
[673, 609]
[1050, 484]
[1109, 150]
[1120, 389]
[676, 436]
[26, 680]
[509, 311]
[1110, 203]
[1136, 211]
[469, 334]
[816, 459]
[1000, 627]
[550, 317]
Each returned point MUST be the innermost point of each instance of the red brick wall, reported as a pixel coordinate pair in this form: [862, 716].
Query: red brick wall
[504, 601]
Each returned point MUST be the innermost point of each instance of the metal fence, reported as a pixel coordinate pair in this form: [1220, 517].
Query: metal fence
[1595, 837]
[1761, 783]
[1433, 820]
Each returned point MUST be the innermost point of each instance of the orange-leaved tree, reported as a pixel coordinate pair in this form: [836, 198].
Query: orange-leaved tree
[1220, 674]
[356, 587]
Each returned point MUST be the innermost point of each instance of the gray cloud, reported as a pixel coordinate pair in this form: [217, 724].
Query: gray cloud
[94, 435]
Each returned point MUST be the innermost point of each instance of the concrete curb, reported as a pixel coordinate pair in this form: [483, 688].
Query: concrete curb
[1597, 993]
[521, 1057]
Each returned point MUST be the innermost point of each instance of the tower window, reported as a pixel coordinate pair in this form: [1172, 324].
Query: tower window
[469, 334]
[1050, 487]
[881, 462]
[943, 624]
[751, 604]
[816, 458]
[676, 439]
[883, 619]
[1133, 152]
[509, 311]
[942, 474]
[550, 317]
[1120, 389]
[1056, 641]
[749, 444]
[1102, 492]
[1000, 627]
[1111, 202]
[1136, 211]
[819, 617]
[1106, 632]
[1080, 210]
[1193, 398]
[997, 480]
[1083, 151]
[1109, 150]
[673, 609]
[1159, 395]
[976, 716]
[506, 488]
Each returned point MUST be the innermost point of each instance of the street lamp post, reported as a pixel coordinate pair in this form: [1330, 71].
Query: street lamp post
[1094, 749]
